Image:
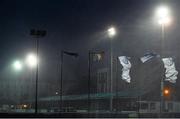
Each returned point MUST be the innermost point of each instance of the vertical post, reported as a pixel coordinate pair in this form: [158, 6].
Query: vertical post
[139, 97]
[111, 74]
[31, 86]
[89, 78]
[61, 81]
[37, 34]
[61, 78]
[139, 104]
[36, 93]
[162, 98]
[117, 82]
[162, 79]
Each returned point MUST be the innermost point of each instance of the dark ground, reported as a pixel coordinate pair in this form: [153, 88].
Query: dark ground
[86, 115]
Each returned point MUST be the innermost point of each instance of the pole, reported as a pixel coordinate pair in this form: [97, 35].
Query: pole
[162, 79]
[89, 78]
[37, 34]
[61, 81]
[111, 68]
[31, 86]
[36, 92]
[117, 82]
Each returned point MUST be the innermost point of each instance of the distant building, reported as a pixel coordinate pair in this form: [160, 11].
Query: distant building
[103, 80]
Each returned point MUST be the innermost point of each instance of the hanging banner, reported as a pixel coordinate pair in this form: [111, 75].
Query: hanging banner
[98, 56]
[148, 56]
[171, 72]
[126, 68]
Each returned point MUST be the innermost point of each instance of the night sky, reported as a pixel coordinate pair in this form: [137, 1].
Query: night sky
[79, 26]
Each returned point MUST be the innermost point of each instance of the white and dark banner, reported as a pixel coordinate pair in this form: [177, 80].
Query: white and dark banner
[148, 56]
[171, 72]
[126, 68]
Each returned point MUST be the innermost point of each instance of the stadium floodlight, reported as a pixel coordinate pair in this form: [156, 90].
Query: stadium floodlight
[163, 15]
[17, 65]
[111, 32]
[31, 60]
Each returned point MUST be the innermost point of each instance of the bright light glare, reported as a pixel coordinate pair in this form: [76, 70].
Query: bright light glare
[17, 65]
[111, 32]
[31, 60]
[25, 106]
[163, 12]
[163, 16]
[166, 20]
[166, 91]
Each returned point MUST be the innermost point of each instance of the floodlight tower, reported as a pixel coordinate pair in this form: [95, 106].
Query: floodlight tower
[37, 34]
[111, 33]
[164, 19]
